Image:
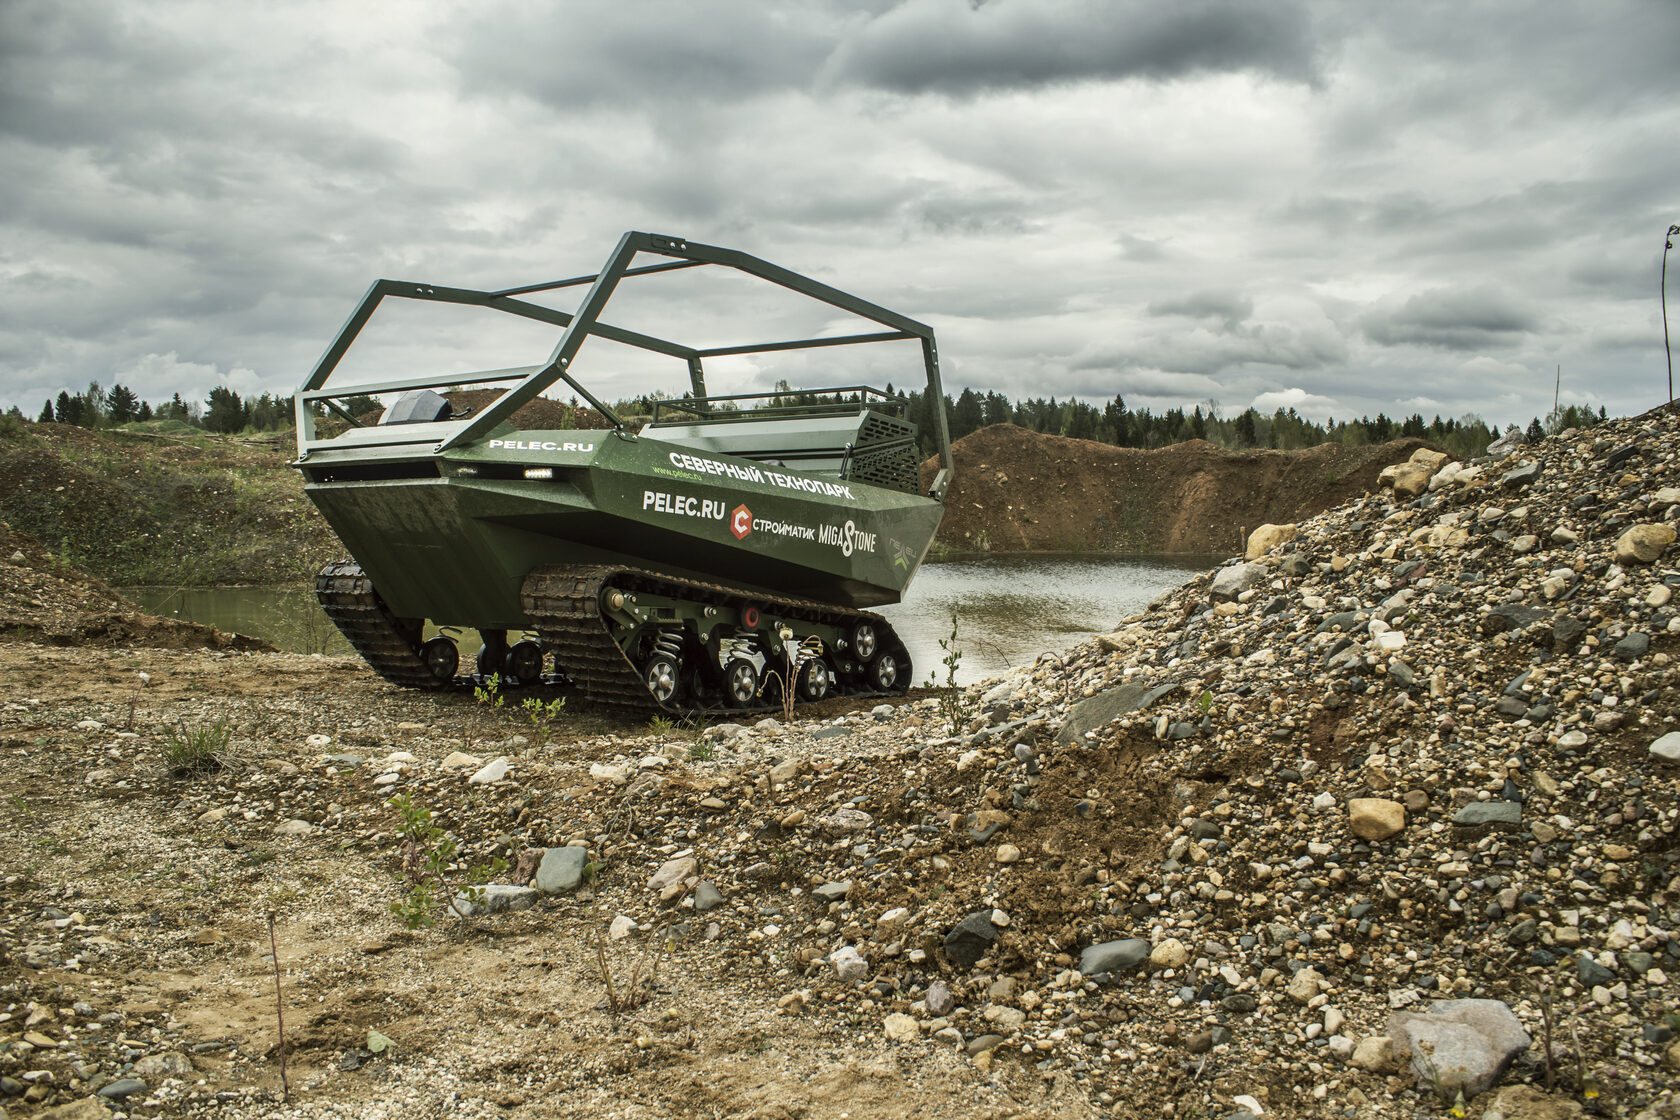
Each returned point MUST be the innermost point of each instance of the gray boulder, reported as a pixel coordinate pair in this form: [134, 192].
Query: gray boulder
[1233, 580]
[1507, 443]
[1111, 703]
[1491, 815]
[970, 938]
[561, 870]
[1461, 1045]
[493, 898]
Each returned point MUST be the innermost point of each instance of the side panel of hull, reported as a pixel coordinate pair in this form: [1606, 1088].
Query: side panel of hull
[457, 548]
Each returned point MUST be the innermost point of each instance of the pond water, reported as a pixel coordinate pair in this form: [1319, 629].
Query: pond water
[1009, 609]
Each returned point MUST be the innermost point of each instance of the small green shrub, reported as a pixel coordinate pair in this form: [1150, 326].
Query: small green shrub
[542, 716]
[954, 706]
[428, 853]
[490, 692]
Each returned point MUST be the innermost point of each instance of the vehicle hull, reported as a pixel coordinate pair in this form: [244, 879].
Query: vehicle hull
[451, 536]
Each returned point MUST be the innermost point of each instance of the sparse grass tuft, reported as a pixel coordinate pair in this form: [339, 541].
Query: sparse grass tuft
[197, 748]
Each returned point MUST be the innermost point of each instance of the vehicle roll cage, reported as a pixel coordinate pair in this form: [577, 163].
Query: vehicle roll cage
[530, 381]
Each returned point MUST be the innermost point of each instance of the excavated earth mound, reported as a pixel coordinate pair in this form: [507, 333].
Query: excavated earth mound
[1017, 490]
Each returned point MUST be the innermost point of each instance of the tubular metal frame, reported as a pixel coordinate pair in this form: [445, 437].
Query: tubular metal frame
[586, 321]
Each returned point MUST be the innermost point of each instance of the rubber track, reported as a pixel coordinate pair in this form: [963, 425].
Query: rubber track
[563, 604]
[348, 598]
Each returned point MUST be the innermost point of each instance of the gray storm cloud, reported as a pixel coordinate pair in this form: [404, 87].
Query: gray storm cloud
[1305, 201]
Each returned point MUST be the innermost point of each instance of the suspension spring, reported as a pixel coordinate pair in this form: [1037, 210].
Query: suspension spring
[668, 642]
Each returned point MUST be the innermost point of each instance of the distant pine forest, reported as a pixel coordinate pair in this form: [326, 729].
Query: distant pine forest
[1112, 422]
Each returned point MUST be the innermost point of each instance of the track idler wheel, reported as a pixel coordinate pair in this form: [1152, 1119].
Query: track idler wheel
[740, 683]
[663, 677]
[441, 658]
[863, 641]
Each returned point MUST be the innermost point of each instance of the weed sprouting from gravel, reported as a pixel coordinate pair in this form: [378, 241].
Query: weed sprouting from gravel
[428, 854]
[954, 707]
[198, 748]
[490, 692]
[543, 716]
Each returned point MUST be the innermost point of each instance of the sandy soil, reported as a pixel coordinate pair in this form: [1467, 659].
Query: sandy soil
[163, 944]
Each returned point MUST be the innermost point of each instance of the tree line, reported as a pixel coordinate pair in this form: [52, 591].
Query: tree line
[223, 411]
[1284, 429]
[1113, 423]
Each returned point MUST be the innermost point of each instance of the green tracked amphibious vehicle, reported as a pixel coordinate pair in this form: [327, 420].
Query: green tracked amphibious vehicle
[716, 557]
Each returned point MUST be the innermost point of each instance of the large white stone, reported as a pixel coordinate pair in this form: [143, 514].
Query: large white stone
[490, 774]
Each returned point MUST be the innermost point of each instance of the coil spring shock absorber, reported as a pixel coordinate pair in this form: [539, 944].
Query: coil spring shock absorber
[662, 672]
[669, 643]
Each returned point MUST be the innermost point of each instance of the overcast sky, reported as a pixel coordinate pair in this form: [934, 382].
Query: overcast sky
[1344, 208]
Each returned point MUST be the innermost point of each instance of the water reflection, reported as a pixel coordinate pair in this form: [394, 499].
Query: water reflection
[1009, 609]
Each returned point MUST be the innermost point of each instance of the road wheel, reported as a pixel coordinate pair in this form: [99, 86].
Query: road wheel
[740, 683]
[441, 658]
[863, 641]
[815, 679]
[883, 672]
[525, 662]
[663, 677]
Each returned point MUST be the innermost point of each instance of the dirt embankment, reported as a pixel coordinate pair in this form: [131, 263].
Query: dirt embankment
[44, 600]
[1019, 491]
[183, 507]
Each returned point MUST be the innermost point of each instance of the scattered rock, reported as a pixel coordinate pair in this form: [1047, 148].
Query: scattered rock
[492, 773]
[493, 898]
[561, 870]
[121, 1088]
[455, 760]
[1233, 580]
[1461, 1045]
[1268, 537]
[1374, 818]
[972, 937]
[1113, 956]
[848, 964]
[1376, 1054]
[901, 1028]
[1644, 544]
